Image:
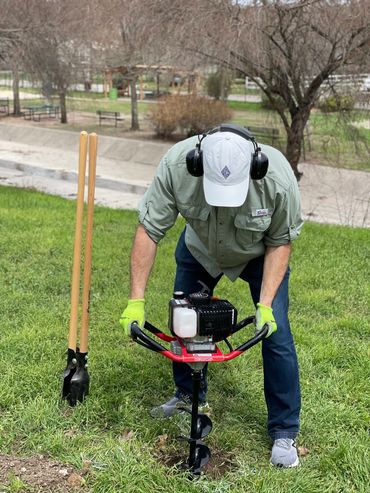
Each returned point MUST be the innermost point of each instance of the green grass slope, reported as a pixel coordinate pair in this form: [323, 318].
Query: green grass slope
[128, 450]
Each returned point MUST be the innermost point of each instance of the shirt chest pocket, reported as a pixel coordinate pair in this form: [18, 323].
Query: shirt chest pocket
[250, 230]
[197, 217]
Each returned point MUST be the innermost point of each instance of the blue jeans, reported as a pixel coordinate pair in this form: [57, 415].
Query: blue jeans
[280, 366]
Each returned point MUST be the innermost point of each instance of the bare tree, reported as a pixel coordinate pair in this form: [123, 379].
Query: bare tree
[9, 28]
[54, 44]
[13, 26]
[288, 48]
[131, 32]
[132, 38]
[126, 35]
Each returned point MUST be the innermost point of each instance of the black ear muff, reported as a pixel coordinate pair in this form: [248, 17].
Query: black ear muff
[194, 161]
[259, 164]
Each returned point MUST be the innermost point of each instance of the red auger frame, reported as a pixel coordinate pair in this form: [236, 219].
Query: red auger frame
[139, 336]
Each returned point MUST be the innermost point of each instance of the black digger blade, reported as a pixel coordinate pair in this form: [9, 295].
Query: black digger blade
[200, 458]
[204, 424]
[68, 373]
[75, 378]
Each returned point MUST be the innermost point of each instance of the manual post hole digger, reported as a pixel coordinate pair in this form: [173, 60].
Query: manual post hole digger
[197, 323]
[76, 378]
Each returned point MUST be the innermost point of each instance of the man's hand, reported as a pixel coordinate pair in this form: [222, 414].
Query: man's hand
[134, 312]
[264, 316]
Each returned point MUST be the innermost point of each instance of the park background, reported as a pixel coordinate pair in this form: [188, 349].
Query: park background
[66, 63]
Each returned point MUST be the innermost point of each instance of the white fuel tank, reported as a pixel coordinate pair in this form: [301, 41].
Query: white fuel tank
[184, 322]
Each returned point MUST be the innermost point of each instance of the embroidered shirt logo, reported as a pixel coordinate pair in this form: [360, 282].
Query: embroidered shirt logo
[225, 172]
[262, 212]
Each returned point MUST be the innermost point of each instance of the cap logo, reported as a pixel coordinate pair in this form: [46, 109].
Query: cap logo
[225, 172]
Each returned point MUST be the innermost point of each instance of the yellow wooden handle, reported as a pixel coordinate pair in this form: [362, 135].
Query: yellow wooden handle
[75, 288]
[93, 142]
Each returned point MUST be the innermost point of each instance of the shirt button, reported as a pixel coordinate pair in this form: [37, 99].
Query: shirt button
[221, 224]
[220, 241]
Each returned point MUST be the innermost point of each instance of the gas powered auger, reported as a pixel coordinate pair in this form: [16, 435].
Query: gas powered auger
[197, 323]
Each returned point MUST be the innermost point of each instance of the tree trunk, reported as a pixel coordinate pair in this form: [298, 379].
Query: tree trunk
[157, 85]
[295, 135]
[134, 106]
[63, 107]
[16, 100]
[222, 85]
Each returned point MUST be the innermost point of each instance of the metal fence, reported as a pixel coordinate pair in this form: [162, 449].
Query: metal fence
[358, 82]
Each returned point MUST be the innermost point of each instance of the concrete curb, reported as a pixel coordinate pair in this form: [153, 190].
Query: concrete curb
[72, 177]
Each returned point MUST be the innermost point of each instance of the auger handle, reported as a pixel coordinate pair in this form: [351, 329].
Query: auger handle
[243, 323]
[149, 343]
[144, 340]
[253, 340]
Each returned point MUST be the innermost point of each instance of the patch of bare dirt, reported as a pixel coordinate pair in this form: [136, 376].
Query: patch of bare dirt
[171, 455]
[38, 474]
[219, 464]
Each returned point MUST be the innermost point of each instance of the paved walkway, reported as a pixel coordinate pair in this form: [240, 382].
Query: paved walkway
[46, 160]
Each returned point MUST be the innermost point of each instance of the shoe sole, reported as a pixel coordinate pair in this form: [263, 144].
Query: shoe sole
[286, 466]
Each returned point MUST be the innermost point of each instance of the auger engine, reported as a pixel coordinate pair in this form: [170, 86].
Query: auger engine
[200, 321]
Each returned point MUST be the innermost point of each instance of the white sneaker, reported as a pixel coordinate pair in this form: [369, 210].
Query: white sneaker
[284, 453]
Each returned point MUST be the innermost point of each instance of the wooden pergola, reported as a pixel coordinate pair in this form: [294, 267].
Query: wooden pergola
[137, 72]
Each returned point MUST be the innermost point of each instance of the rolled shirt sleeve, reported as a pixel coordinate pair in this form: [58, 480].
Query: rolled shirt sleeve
[286, 221]
[157, 209]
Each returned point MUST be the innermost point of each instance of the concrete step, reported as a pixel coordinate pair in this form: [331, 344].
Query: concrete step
[108, 193]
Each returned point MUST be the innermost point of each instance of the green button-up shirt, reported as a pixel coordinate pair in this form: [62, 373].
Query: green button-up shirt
[223, 239]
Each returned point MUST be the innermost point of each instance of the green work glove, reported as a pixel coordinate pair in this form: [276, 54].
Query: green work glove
[264, 316]
[134, 312]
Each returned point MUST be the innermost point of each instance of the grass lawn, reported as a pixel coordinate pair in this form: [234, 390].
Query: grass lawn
[129, 451]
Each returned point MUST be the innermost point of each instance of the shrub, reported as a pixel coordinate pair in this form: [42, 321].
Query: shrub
[163, 118]
[337, 103]
[190, 115]
[218, 84]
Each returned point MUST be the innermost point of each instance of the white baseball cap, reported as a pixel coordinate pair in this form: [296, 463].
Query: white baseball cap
[226, 163]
